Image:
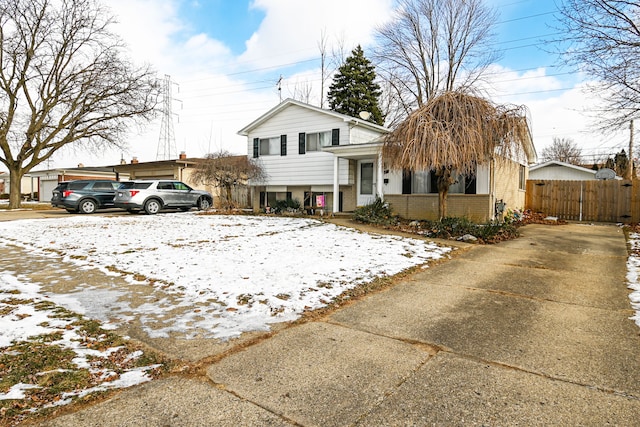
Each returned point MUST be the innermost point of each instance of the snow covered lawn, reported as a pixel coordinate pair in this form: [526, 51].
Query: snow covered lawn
[238, 273]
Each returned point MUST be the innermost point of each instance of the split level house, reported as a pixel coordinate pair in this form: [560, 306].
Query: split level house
[332, 162]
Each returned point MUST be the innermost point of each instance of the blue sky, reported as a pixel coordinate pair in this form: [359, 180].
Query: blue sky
[226, 56]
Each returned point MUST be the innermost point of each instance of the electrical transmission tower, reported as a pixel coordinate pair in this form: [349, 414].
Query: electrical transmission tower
[167, 141]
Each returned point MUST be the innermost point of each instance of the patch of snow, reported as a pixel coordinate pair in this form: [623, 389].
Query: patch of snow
[17, 391]
[228, 274]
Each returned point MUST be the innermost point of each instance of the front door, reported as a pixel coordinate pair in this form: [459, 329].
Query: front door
[366, 182]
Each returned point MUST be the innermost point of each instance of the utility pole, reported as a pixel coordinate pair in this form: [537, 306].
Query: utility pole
[167, 141]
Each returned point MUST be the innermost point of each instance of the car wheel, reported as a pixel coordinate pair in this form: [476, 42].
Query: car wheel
[203, 203]
[152, 207]
[88, 206]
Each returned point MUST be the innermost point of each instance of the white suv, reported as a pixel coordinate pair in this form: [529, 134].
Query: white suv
[154, 195]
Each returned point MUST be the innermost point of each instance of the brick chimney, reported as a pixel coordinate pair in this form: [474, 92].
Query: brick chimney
[134, 161]
[183, 155]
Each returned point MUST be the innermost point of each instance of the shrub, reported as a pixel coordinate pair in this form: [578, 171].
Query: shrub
[451, 228]
[288, 205]
[378, 213]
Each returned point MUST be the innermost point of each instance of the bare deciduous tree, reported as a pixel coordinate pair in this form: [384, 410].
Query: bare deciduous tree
[563, 150]
[228, 172]
[452, 134]
[434, 46]
[64, 81]
[602, 39]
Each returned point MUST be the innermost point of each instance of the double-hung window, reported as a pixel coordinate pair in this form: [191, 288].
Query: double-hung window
[317, 140]
[270, 146]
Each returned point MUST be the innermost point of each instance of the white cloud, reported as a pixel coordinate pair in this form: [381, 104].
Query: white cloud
[220, 93]
[292, 29]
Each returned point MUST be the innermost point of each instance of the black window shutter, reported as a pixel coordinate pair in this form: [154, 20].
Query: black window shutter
[406, 181]
[302, 138]
[283, 145]
[335, 136]
[256, 147]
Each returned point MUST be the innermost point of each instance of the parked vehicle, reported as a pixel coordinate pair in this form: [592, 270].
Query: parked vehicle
[84, 196]
[154, 195]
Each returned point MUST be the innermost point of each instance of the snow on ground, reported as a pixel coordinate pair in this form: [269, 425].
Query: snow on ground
[25, 314]
[633, 274]
[240, 273]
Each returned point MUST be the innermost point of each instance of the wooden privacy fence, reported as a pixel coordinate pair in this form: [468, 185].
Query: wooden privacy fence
[594, 200]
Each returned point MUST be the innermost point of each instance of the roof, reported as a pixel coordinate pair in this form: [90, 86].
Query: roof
[563, 164]
[157, 164]
[292, 102]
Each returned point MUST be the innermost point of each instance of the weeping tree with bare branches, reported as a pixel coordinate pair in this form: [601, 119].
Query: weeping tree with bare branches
[64, 81]
[228, 172]
[452, 134]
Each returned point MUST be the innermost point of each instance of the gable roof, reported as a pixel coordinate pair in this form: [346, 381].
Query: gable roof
[292, 102]
[563, 164]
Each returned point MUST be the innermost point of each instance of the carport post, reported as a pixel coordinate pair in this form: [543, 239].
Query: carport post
[336, 185]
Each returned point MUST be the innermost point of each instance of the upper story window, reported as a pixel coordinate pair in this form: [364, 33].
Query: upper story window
[317, 140]
[276, 145]
[270, 146]
[314, 141]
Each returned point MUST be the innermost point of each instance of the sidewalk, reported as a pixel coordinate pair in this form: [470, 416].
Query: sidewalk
[533, 331]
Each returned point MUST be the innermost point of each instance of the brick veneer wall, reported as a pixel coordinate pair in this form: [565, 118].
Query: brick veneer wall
[476, 207]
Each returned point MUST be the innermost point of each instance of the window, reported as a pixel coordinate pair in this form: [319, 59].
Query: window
[181, 186]
[426, 182]
[522, 182]
[317, 140]
[366, 178]
[269, 146]
[420, 182]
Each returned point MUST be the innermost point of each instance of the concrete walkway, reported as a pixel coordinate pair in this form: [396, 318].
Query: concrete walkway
[533, 331]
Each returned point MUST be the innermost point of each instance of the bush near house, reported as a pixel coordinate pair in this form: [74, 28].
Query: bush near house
[379, 213]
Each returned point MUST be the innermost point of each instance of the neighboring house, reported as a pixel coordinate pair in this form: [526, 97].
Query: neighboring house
[28, 186]
[46, 180]
[556, 170]
[332, 161]
[179, 169]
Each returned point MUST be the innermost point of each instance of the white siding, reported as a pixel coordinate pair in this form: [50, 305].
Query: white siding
[361, 135]
[311, 168]
[561, 173]
[394, 186]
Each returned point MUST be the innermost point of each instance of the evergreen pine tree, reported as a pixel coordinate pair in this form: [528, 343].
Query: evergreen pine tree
[354, 88]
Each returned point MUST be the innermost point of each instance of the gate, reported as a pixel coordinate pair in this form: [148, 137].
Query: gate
[593, 200]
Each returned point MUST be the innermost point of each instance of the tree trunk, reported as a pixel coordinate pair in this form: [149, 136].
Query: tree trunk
[442, 203]
[228, 195]
[443, 181]
[15, 186]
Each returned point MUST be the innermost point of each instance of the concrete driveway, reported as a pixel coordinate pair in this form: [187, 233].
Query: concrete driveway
[533, 331]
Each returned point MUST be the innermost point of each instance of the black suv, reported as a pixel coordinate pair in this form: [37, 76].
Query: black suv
[85, 196]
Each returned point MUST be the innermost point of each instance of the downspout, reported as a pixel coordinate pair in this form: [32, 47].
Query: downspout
[379, 179]
[492, 188]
